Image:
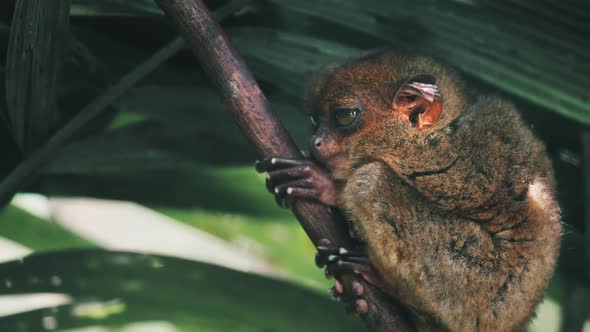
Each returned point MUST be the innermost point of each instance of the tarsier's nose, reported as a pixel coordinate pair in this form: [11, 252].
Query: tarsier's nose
[320, 145]
[316, 146]
[317, 142]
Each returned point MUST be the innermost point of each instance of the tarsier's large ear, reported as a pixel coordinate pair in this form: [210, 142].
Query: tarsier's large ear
[420, 100]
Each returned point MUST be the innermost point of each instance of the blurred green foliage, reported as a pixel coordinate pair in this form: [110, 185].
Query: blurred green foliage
[36, 233]
[113, 289]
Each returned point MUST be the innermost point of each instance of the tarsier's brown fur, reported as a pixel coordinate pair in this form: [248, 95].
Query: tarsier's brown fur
[459, 218]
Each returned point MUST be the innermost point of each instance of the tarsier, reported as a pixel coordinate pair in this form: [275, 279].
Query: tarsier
[452, 196]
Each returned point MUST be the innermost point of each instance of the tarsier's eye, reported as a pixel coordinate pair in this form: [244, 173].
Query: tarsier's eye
[344, 117]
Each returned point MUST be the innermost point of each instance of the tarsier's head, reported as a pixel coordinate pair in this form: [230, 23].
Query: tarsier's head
[382, 106]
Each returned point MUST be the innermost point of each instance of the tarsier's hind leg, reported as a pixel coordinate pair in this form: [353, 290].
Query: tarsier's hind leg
[451, 268]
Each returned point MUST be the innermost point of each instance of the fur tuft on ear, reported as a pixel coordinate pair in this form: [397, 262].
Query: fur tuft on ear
[420, 100]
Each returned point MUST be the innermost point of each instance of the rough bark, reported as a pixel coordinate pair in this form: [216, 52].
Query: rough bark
[244, 99]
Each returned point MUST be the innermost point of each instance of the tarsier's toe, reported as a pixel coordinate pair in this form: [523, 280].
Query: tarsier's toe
[354, 303]
[320, 260]
[328, 275]
[361, 306]
[338, 287]
[337, 291]
[357, 288]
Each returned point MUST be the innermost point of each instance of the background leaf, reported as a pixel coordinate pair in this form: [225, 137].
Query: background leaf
[114, 8]
[191, 296]
[36, 233]
[38, 42]
[532, 58]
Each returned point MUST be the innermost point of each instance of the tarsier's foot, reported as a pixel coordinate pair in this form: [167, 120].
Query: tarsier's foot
[292, 178]
[337, 260]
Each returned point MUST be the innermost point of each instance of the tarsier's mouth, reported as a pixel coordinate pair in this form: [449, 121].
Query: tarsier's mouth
[334, 161]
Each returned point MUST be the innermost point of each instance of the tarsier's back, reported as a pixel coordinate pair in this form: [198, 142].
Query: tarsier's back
[453, 196]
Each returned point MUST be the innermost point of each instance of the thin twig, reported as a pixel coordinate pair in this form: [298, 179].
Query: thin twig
[251, 111]
[29, 167]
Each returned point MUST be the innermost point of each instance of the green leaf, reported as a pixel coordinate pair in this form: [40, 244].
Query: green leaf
[271, 236]
[36, 48]
[190, 296]
[36, 233]
[201, 108]
[284, 59]
[148, 145]
[515, 50]
[162, 120]
[114, 8]
[232, 189]
[183, 106]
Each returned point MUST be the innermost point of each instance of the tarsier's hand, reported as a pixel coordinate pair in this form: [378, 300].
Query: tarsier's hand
[291, 178]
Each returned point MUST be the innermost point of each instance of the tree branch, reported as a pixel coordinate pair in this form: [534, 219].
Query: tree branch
[251, 111]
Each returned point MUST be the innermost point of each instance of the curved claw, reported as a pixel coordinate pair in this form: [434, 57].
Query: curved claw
[269, 164]
[320, 260]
